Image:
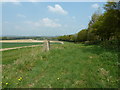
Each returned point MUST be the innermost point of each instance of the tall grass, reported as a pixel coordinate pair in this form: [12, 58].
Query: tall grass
[64, 66]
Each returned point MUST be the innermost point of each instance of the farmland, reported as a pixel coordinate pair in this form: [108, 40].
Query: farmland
[66, 65]
[11, 45]
[24, 42]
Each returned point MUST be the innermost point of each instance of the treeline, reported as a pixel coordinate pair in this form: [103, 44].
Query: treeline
[27, 37]
[13, 38]
[102, 28]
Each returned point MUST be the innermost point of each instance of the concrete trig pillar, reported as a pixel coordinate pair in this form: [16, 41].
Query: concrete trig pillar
[46, 45]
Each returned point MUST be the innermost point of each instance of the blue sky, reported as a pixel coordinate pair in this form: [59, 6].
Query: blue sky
[46, 18]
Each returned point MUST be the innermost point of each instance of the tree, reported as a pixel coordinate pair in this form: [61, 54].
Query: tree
[107, 25]
[82, 35]
[90, 35]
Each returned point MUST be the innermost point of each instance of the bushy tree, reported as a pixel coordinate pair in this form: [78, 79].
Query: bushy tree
[107, 26]
[82, 35]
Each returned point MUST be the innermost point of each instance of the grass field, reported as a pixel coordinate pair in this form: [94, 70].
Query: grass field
[11, 45]
[66, 65]
[19, 44]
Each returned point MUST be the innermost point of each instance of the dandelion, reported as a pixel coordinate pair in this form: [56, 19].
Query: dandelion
[20, 78]
[58, 78]
[6, 83]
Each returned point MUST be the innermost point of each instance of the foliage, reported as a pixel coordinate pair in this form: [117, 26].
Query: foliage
[82, 35]
[102, 28]
[69, 38]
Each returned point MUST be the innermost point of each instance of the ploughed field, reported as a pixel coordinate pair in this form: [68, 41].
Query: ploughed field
[66, 65]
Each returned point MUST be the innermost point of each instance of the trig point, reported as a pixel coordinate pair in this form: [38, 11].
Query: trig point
[46, 45]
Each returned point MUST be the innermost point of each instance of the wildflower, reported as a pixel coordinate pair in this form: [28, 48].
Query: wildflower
[20, 78]
[108, 79]
[90, 57]
[58, 78]
[6, 83]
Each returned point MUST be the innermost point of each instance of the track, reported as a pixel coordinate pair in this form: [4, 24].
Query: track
[18, 47]
[27, 40]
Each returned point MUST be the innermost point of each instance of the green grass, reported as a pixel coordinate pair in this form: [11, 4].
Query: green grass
[64, 66]
[11, 45]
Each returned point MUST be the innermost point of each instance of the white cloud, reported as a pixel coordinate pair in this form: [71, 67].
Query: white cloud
[33, 0]
[45, 22]
[50, 23]
[95, 5]
[57, 9]
[10, 0]
[15, 2]
[21, 15]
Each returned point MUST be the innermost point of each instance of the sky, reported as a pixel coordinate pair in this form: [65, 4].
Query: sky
[46, 18]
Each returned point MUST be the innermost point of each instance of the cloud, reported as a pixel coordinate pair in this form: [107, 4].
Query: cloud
[15, 2]
[10, 0]
[57, 9]
[33, 0]
[95, 5]
[45, 22]
[21, 15]
[20, 0]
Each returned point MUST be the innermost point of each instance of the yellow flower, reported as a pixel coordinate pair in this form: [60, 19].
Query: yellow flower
[20, 78]
[58, 78]
[6, 83]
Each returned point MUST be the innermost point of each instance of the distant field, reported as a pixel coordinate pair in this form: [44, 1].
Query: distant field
[19, 44]
[66, 65]
[11, 45]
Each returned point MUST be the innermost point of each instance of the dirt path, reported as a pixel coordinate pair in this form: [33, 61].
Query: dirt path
[4, 49]
[27, 40]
